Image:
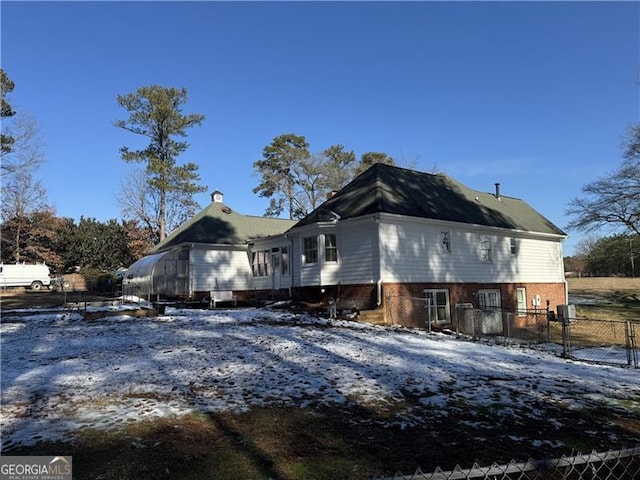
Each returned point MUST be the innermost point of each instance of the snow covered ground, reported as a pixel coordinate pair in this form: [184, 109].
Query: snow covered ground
[61, 373]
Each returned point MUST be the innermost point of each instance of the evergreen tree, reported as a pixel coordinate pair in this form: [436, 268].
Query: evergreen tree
[155, 112]
[371, 158]
[6, 87]
[614, 256]
[277, 172]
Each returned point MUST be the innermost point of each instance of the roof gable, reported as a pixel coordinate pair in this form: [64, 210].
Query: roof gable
[389, 189]
[217, 224]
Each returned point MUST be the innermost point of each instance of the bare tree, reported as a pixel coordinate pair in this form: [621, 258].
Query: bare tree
[612, 201]
[140, 201]
[309, 175]
[22, 197]
[27, 144]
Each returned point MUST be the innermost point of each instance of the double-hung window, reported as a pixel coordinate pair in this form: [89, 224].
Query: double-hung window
[310, 250]
[330, 248]
[485, 249]
[513, 246]
[260, 263]
[445, 242]
[521, 298]
[284, 264]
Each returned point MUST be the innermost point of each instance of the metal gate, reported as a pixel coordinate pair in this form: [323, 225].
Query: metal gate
[601, 341]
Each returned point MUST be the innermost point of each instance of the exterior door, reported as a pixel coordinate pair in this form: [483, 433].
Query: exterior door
[437, 305]
[275, 270]
[175, 277]
[489, 302]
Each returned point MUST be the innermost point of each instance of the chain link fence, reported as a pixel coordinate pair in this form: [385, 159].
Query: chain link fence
[601, 341]
[524, 326]
[613, 465]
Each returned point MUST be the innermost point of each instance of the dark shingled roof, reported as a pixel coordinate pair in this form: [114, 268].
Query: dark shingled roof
[388, 189]
[217, 224]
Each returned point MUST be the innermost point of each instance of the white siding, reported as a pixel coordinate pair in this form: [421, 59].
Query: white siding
[219, 268]
[358, 252]
[308, 273]
[411, 252]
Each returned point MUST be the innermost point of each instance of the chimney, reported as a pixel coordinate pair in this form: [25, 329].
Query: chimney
[217, 197]
[332, 194]
[497, 191]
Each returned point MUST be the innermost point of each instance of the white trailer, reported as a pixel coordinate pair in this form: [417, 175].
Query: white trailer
[24, 275]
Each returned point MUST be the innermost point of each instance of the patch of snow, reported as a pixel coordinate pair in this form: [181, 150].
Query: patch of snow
[60, 373]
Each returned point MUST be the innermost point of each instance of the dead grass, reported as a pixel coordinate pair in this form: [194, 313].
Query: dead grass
[618, 299]
[605, 286]
[351, 443]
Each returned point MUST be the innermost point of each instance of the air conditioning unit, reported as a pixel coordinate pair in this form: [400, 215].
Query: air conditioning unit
[566, 312]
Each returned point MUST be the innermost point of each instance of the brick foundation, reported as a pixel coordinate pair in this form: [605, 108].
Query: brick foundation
[403, 302]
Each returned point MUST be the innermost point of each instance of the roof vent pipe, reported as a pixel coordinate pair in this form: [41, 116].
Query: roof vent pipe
[497, 190]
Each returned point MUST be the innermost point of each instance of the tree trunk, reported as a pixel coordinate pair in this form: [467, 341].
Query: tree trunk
[17, 246]
[163, 214]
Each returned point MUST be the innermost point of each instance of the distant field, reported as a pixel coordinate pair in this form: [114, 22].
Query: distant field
[620, 298]
[604, 285]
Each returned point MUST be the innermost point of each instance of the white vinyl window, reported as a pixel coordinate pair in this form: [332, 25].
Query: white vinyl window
[513, 246]
[330, 248]
[284, 264]
[310, 250]
[445, 242]
[489, 299]
[437, 303]
[521, 297]
[260, 263]
[485, 249]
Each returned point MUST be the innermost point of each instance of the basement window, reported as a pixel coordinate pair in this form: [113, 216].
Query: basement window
[521, 298]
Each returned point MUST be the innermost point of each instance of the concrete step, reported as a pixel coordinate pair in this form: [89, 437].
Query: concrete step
[375, 317]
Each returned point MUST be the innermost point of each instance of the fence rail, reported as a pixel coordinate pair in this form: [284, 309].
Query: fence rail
[613, 465]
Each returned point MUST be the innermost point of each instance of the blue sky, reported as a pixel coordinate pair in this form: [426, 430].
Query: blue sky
[534, 95]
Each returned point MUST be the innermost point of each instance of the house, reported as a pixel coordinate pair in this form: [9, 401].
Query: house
[209, 253]
[395, 235]
[405, 244]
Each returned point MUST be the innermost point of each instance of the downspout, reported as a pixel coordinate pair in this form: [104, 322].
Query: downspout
[290, 260]
[190, 272]
[376, 220]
